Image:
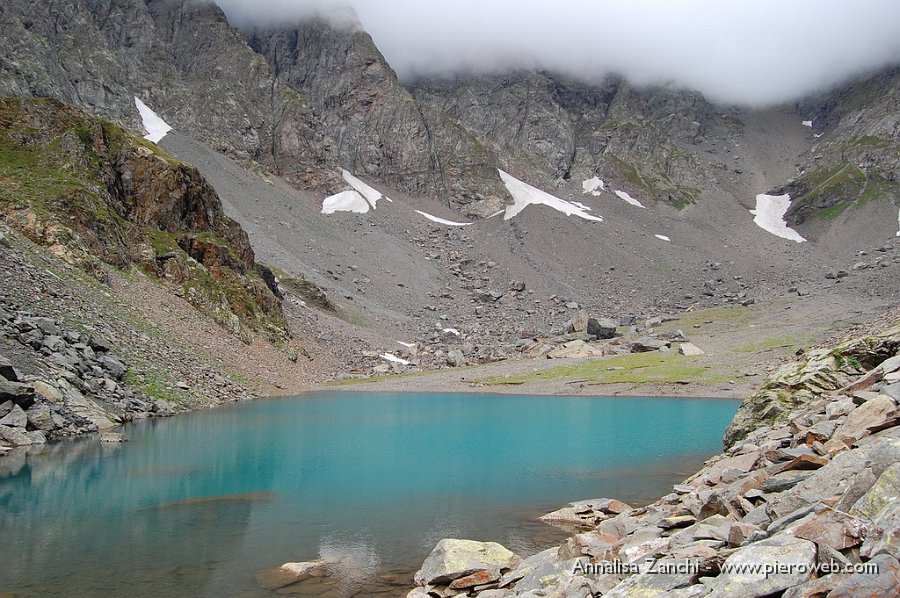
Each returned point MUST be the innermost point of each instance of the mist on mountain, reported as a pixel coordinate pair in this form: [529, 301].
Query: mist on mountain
[748, 52]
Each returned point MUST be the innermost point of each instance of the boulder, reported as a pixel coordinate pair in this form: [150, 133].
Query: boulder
[16, 418]
[7, 370]
[883, 492]
[579, 323]
[18, 393]
[831, 528]
[601, 328]
[455, 358]
[882, 584]
[114, 366]
[452, 559]
[690, 349]
[870, 414]
[113, 438]
[884, 533]
[289, 574]
[766, 567]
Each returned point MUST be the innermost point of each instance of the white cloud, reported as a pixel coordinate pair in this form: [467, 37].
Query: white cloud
[735, 51]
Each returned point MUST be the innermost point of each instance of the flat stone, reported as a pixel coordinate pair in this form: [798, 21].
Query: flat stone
[883, 492]
[452, 559]
[6, 407]
[740, 533]
[479, 578]
[664, 576]
[790, 559]
[883, 584]
[815, 588]
[831, 528]
[289, 574]
[869, 414]
[677, 521]
[112, 437]
[820, 485]
[784, 481]
[805, 463]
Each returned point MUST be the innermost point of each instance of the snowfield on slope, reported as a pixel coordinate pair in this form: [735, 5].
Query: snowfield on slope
[525, 195]
[359, 199]
[156, 127]
[628, 199]
[441, 220]
[769, 216]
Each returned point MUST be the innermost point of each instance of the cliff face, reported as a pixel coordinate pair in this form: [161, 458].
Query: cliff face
[94, 194]
[379, 129]
[182, 58]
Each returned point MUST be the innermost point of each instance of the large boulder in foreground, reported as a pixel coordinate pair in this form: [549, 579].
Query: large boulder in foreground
[453, 559]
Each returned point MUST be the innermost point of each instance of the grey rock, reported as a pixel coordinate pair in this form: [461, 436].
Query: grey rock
[6, 407]
[7, 370]
[602, 328]
[17, 392]
[883, 584]
[883, 492]
[794, 556]
[884, 533]
[452, 559]
[455, 358]
[113, 365]
[16, 418]
[40, 417]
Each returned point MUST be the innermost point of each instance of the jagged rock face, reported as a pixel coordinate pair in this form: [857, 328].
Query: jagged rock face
[93, 193]
[551, 128]
[182, 58]
[379, 129]
[858, 160]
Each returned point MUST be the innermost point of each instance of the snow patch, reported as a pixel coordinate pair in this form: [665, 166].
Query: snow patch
[663, 238]
[898, 224]
[578, 204]
[345, 201]
[807, 123]
[593, 186]
[360, 198]
[452, 331]
[407, 345]
[628, 199]
[393, 359]
[497, 213]
[769, 216]
[156, 127]
[525, 195]
[817, 135]
[441, 220]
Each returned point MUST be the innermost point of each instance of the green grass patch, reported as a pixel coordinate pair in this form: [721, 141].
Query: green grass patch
[634, 368]
[157, 385]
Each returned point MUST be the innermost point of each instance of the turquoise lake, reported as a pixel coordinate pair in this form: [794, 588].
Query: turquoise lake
[195, 504]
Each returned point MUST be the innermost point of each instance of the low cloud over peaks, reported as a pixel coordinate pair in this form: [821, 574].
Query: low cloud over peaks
[752, 52]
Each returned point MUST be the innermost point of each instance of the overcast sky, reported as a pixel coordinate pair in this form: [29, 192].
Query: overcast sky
[734, 51]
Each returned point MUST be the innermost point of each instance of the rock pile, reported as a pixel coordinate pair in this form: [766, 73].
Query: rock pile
[804, 505]
[80, 389]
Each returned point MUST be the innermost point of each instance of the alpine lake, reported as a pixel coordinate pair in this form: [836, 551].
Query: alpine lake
[196, 504]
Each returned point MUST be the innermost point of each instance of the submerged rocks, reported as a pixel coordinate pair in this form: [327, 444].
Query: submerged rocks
[289, 574]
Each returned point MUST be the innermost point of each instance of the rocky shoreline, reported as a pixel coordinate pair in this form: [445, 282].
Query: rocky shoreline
[803, 502]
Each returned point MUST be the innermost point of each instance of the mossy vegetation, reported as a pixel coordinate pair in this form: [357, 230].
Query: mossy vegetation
[634, 368]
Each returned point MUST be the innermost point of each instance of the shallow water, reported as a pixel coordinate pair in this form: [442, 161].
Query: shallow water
[194, 505]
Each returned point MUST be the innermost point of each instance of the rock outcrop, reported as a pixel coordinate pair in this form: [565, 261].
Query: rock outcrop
[97, 196]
